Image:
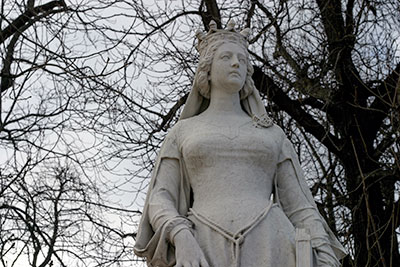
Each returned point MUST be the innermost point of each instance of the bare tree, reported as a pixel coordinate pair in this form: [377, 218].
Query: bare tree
[72, 87]
[330, 70]
[56, 217]
[59, 61]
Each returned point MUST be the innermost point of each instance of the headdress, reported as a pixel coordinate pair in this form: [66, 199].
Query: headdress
[214, 35]
[252, 104]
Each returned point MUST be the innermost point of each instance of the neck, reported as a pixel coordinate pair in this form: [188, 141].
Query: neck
[225, 103]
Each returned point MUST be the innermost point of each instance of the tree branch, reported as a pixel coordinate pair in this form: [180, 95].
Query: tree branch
[396, 214]
[349, 17]
[171, 113]
[25, 17]
[386, 94]
[331, 15]
[7, 79]
[266, 86]
[250, 14]
[212, 13]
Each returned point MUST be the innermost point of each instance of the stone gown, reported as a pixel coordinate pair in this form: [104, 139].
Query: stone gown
[219, 182]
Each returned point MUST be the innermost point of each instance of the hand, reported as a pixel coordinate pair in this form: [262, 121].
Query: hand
[187, 251]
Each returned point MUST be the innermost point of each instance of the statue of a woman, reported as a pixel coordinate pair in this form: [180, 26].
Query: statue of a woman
[227, 189]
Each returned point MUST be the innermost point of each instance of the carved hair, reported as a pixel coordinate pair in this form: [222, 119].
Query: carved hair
[201, 78]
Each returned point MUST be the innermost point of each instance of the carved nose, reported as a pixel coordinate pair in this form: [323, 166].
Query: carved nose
[235, 62]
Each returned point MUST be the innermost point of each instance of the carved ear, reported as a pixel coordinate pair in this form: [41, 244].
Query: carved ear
[245, 32]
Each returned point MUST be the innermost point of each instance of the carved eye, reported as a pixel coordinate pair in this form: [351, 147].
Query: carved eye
[242, 61]
[225, 57]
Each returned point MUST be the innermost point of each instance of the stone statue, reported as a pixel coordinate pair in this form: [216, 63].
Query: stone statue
[227, 189]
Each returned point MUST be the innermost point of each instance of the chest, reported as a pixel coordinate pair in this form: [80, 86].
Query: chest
[210, 145]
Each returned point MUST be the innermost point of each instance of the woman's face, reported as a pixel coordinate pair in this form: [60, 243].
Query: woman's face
[229, 68]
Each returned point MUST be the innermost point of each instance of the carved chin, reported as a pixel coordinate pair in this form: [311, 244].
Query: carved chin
[236, 81]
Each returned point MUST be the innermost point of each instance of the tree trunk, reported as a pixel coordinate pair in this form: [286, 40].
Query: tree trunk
[373, 221]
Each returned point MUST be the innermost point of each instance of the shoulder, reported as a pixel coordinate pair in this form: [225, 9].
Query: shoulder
[277, 133]
[170, 144]
[191, 120]
[188, 124]
[182, 128]
[278, 130]
[172, 136]
[181, 125]
[284, 145]
[174, 129]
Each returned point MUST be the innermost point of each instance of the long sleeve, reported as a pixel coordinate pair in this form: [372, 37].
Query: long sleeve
[300, 210]
[167, 203]
[163, 202]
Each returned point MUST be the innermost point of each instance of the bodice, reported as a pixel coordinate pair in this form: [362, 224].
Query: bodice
[230, 169]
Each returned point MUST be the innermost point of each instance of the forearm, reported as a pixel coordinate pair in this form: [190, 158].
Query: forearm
[303, 214]
[309, 219]
[163, 213]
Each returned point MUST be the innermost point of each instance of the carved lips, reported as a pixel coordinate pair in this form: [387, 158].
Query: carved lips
[235, 73]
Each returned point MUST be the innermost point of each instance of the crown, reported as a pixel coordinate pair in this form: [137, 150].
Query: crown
[214, 34]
